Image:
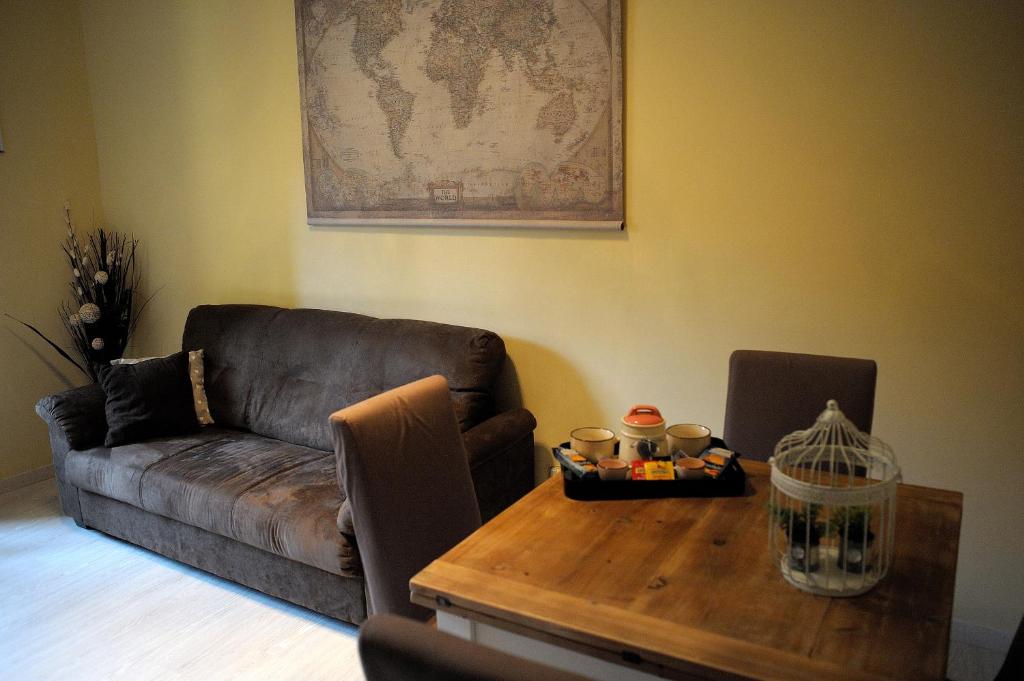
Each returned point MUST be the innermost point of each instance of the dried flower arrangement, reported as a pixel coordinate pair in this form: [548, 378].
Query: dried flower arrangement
[102, 315]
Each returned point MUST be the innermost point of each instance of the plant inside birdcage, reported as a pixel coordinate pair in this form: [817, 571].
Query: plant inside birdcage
[104, 308]
[804, 530]
[851, 526]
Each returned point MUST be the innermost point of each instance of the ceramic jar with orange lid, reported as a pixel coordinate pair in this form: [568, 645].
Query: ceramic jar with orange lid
[643, 434]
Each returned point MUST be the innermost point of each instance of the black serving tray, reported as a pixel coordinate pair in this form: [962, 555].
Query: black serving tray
[731, 483]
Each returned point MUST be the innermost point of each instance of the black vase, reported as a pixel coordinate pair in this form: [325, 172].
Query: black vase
[854, 552]
[803, 553]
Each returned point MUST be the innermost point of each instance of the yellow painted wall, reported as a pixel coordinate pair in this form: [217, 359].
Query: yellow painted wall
[50, 156]
[836, 178]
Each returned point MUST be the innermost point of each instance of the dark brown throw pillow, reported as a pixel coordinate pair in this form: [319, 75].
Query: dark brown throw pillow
[148, 399]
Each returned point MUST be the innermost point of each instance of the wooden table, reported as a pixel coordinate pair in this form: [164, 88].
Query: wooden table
[685, 588]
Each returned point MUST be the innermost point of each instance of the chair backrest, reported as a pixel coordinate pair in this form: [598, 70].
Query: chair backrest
[406, 477]
[1013, 665]
[396, 649]
[771, 394]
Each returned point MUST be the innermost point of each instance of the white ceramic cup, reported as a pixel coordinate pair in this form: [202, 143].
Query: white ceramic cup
[689, 438]
[593, 443]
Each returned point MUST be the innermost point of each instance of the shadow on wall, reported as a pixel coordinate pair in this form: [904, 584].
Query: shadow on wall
[212, 195]
[508, 393]
[60, 373]
[544, 397]
[482, 231]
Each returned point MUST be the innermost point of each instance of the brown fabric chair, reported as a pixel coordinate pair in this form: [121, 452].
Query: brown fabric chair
[1013, 665]
[771, 394]
[405, 472]
[396, 649]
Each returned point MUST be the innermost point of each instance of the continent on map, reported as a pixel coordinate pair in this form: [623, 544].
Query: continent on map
[558, 114]
[377, 23]
[468, 32]
[460, 65]
[572, 184]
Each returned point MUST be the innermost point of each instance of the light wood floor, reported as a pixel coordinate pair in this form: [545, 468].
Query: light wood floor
[77, 604]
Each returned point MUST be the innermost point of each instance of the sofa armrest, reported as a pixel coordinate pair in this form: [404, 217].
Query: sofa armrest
[77, 414]
[497, 434]
[501, 460]
[75, 419]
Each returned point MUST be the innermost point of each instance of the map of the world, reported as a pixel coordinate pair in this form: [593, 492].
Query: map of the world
[478, 112]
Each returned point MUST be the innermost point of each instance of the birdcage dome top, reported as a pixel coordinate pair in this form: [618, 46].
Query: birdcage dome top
[834, 462]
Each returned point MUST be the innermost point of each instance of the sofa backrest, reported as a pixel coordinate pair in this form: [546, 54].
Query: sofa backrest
[281, 373]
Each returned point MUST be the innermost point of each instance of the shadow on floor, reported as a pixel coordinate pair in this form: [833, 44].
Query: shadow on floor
[32, 502]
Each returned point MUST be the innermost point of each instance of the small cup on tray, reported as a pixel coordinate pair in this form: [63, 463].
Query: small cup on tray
[689, 468]
[613, 469]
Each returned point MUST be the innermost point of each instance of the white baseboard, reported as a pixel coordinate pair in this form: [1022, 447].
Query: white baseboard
[978, 636]
[25, 479]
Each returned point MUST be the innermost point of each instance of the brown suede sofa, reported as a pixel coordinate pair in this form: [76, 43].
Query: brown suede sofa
[255, 497]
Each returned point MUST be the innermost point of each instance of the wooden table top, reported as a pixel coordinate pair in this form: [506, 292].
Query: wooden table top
[686, 588]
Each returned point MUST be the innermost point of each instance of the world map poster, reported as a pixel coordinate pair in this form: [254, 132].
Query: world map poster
[502, 113]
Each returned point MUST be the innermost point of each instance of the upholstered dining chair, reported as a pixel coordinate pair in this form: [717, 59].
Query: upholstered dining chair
[1013, 665]
[771, 394]
[399, 453]
[396, 649]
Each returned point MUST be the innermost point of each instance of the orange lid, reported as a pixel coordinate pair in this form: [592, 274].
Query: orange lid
[643, 415]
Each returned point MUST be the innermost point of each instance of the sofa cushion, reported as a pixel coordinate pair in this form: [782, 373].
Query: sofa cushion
[148, 399]
[195, 375]
[220, 488]
[116, 472]
[293, 515]
[272, 495]
[282, 373]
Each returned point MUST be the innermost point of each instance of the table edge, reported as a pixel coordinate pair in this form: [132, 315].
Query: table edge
[727, 662]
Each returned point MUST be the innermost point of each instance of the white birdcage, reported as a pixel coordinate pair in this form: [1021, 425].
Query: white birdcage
[833, 506]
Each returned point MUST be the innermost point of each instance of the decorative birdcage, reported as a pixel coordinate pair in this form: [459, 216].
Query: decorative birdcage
[833, 506]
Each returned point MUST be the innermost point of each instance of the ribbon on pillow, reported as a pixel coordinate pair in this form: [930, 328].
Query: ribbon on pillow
[196, 374]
